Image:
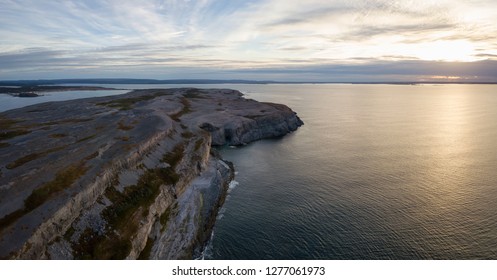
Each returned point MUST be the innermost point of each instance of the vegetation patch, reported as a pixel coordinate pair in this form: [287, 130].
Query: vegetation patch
[122, 138]
[193, 93]
[86, 248]
[128, 103]
[57, 135]
[36, 111]
[4, 145]
[185, 110]
[187, 134]
[86, 138]
[164, 217]
[69, 233]
[175, 156]
[25, 159]
[4, 135]
[11, 218]
[92, 156]
[253, 117]
[123, 216]
[122, 126]
[9, 130]
[145, 253]
[130, 147]
[67, 121]
[7, 123]
[63, 180]
[199, 143]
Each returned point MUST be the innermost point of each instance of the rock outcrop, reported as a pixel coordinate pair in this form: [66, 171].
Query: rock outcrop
[123, 177]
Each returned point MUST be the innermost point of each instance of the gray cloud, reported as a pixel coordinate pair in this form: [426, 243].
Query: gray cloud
[33, 59]
[308, 16]
[150, 48]
[366, 32]
[29, 57]
[369, 69]
[317, 40]
[487, 55]
[383, 71]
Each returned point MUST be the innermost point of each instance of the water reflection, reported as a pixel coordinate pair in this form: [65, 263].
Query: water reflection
[382, 172]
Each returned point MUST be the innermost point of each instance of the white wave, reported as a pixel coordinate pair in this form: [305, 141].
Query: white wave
[233, 184]
[207, 252]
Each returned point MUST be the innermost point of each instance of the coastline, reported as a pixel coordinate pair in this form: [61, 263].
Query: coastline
[35, 90]
[140, 178]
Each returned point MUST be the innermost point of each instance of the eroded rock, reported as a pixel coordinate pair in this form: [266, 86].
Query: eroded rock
[123, 177]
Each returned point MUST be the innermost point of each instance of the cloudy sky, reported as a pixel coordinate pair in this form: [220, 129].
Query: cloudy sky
[285, 40]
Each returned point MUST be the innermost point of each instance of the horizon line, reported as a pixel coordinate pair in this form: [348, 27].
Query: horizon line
[31, 82]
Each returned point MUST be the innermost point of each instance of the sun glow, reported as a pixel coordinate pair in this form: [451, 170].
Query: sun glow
[462, 51]
[453, 78]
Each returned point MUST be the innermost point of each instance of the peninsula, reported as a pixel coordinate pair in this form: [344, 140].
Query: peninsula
[34, 90]
[133, 176]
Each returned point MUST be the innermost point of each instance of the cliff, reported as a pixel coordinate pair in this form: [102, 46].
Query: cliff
[123, 177]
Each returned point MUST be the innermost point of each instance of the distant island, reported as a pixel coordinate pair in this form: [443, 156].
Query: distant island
[31, 90]
[132, 176]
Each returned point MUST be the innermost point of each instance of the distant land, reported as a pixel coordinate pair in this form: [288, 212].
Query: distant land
[202, 81]
[30, 90]
[127, 81]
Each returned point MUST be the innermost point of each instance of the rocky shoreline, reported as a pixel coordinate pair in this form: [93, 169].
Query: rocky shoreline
[123, 177]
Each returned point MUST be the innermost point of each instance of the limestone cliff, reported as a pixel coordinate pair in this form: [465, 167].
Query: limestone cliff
[123, 177]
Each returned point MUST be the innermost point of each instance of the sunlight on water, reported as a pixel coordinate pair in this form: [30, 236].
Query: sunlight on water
[376, 172]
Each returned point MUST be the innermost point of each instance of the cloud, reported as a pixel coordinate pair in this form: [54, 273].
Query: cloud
[487, 55]
[384, 71]
[42, 63]
[108, 35]
[308, 16]
[29, 58]
[367, 32]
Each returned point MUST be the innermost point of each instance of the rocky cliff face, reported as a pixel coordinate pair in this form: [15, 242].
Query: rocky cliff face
[123, 177]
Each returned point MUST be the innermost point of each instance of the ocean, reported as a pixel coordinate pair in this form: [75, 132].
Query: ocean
[376, 172]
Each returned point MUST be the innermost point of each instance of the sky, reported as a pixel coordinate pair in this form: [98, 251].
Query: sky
[280, 40]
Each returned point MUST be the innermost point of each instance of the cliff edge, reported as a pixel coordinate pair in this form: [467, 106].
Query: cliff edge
[123, 177]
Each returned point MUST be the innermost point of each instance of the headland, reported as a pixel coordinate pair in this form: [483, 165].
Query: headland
[123, 177]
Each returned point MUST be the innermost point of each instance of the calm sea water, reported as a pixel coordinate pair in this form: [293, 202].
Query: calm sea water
[376, 172]
[8, 102]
